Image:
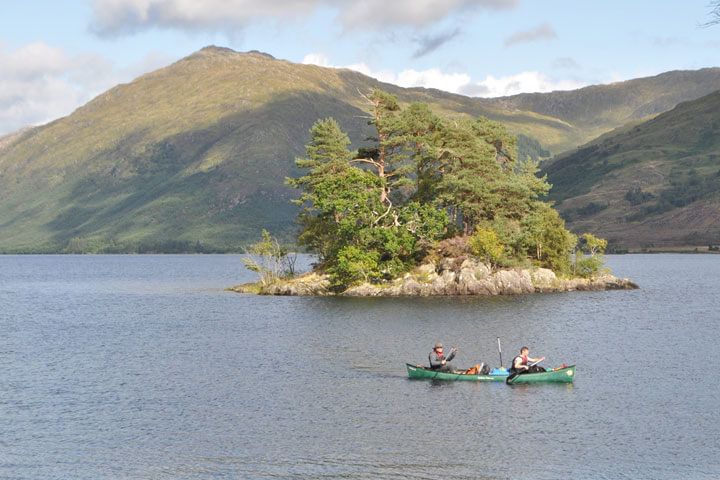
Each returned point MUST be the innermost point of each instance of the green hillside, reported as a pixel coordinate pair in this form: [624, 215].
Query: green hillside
[654, 184]
[196, 153]
[597, 109]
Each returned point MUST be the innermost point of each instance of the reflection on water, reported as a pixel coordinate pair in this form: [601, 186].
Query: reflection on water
[143, 367]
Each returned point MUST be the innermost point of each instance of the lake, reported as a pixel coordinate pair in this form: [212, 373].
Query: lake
[143, 367]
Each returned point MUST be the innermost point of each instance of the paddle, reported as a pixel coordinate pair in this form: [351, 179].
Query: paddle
[500, 352]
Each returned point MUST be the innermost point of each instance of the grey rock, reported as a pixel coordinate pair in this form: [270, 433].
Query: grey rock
[446, 265]
[411, 287]
[513, 282]
[362, 290]
[447, 277]
[426, 269]
[482, 271]
[544, 280]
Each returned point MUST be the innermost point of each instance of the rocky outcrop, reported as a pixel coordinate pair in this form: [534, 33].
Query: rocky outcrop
[451, 276]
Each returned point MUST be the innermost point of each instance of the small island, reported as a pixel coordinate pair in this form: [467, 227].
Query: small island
[432, 205]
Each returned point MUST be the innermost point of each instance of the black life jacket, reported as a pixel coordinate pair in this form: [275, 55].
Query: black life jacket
[523, 361]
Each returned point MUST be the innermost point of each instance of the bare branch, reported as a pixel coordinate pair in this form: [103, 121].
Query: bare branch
[365, 160]
[714, 14]
[390, 205]
[396, 219]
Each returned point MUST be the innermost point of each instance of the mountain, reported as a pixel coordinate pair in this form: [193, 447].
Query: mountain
[597, 109]
[562, 120]
[653, 184]
[196, 153]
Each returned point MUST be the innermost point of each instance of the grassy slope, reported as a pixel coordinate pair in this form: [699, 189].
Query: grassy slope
[597, 109]
[198, 151]
[674, 159]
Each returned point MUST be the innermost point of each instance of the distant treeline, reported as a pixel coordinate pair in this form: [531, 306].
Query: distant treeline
[83, 245]
[528, 147]
[685, 188]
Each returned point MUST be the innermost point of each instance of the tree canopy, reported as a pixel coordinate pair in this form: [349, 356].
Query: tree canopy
[373, 213]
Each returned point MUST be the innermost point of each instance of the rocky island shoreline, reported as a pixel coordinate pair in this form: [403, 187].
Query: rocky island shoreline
[451, 276]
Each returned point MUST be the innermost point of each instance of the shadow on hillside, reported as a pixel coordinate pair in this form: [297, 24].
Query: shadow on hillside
[219, 184]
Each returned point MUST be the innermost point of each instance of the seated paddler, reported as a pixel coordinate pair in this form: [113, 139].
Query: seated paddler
[523, 363]
[438, 360]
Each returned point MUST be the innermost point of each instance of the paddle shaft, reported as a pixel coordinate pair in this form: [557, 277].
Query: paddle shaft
[500, 351]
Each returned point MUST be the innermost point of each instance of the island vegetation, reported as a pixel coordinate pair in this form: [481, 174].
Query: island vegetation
[424, 190]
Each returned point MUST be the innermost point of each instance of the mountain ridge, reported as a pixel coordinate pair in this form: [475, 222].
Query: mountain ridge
[197, 152]
[652, 184]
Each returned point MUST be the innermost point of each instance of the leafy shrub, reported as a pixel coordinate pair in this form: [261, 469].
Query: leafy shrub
[269, 259]
[511, 235]
[588, 267]
[354, 265]
[546, 239]
[591, 244]
[485, 244]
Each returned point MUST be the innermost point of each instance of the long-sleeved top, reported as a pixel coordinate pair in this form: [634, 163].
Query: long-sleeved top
[436, 360]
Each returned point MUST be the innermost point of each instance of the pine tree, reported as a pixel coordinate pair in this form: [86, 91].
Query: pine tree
[468, 187]
[387, 156]
[335, 195]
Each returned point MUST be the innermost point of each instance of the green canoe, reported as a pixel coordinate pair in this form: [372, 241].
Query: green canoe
[418, 371]
[562, 375]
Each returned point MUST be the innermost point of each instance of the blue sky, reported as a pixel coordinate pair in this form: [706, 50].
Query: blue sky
[55, 56]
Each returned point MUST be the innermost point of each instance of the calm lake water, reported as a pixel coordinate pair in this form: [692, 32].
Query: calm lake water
[143, 367]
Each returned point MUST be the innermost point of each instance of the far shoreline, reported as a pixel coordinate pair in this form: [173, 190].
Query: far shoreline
[631, 251]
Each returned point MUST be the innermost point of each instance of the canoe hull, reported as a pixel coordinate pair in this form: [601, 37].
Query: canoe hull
[419, 372]
[563, 375]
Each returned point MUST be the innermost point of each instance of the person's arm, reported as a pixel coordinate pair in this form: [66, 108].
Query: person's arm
[453, 351]
[535, 360]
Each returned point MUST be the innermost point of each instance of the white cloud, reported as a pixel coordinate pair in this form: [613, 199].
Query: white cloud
[461, 83]
[431, 78]
[318, 59]
[524, 82]
[115, 17]
[39, 83]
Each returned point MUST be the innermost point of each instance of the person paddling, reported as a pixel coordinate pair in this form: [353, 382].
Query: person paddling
[438, 361]
[521, 363]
